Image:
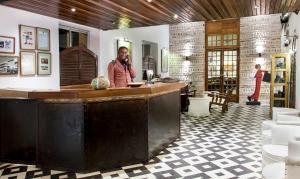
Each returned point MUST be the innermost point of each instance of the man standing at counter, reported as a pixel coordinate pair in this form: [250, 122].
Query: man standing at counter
[120, 71]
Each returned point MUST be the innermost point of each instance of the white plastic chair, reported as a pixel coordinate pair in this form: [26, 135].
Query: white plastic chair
[286, 170]
[277, 151]
[267, 125]
[281, 116]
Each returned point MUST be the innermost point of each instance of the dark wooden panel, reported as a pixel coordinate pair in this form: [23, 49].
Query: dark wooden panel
[61, 136]
[163, 122]
[18, 124]
[109, 14]
[116, 133]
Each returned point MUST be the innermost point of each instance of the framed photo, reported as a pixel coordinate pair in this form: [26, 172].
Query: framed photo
[125, 43]
[7, 45]
[9, 65]
[43, 39]
[44, 63]
[27, 63]
[164, 60]
[27, 37]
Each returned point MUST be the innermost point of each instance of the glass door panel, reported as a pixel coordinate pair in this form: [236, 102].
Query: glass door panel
[222, 71]
[214, 71]
[230, 70]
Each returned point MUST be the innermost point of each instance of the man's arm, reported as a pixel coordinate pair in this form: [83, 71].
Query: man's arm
[131, 71]
[130, 68]
[111, 75]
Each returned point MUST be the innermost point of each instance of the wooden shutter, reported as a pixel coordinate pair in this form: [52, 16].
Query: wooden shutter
[78, 65]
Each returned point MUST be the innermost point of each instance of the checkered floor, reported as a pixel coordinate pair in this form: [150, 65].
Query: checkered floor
[217, 146]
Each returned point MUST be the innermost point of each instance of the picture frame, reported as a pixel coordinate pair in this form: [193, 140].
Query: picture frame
[9, 65]
[7, 45]
[164, 60]
[27, 63]
[43, 39]
[27, 37]
[44, 62]
[125, 43]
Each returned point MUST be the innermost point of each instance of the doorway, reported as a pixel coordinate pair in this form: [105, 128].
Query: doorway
[222, 57]
[150, 58]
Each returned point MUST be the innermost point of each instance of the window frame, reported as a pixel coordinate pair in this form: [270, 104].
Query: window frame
[73, 29]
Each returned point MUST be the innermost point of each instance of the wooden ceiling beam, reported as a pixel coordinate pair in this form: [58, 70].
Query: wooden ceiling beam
[213, 12]
[176, 9]
[106, 14]
[229, 5]
[267, 6]
[165, 15]
[170, 11]
[126, 10]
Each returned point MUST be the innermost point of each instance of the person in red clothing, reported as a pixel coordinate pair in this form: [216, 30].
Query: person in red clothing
[259, 77]
[120, 71]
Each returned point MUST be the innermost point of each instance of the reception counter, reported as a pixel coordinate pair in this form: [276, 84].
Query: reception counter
[80, 129]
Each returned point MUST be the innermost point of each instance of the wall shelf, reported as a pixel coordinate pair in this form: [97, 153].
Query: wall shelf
[279, 91]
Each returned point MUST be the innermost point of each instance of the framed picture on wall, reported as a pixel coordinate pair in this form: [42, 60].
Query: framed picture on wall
[27, 63]
[9, 65]
[164, 60]
[43, 39]
[125, 43]
[7, 45]
[27, 37]
[44, 63]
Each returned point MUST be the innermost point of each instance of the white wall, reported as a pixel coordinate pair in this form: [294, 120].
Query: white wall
[294, 24]
[108, 45]
[10, 19]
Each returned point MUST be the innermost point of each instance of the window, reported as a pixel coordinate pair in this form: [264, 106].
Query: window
[70, 37]
[214, 40]
[230, 40]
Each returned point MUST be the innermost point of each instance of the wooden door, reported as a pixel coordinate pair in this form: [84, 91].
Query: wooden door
[222, 56]
[223, 71]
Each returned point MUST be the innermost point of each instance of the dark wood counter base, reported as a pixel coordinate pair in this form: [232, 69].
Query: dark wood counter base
[18, 129]
[87, 135]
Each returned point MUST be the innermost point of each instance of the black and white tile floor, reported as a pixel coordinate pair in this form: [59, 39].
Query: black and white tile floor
[217, 146]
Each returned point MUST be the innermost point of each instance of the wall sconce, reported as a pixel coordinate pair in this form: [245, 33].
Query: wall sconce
[260, 49]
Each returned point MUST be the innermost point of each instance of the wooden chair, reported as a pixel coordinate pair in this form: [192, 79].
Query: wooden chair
[184, 99]
[186, 92]
[220, 99]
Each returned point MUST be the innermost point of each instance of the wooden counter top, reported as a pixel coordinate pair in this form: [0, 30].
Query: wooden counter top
[85, 91]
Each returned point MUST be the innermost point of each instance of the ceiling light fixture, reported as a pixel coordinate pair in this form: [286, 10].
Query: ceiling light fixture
[73, 10]
[149, 0]
[175, 16]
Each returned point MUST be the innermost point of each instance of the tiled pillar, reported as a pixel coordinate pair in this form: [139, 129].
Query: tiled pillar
[188, 39]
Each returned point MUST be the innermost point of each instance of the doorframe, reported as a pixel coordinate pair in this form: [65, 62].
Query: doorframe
[223, 27]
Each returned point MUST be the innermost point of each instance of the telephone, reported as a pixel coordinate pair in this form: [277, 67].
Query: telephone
[126, 60]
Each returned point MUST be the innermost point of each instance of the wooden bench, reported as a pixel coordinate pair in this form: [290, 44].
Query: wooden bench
[220, 99]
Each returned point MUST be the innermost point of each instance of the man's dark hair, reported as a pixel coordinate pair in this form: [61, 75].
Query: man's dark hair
[121, 48]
